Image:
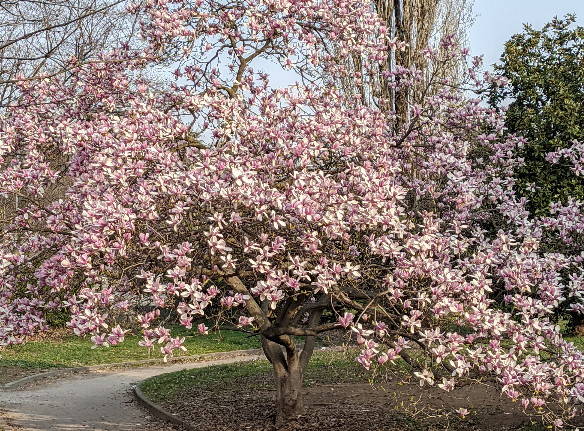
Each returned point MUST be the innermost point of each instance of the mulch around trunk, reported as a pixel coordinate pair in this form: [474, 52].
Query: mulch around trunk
[399, 404]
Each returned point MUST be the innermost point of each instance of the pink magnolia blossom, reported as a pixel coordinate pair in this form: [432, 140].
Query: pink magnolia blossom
[462, 412]
[202, 328]
[346, 319]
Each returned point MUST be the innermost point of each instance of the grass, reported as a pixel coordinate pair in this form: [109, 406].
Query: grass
[323, 368]
[72, 351]
[577, 341]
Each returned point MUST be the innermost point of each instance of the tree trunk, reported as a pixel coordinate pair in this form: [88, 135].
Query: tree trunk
[289, 402]
[288, 365]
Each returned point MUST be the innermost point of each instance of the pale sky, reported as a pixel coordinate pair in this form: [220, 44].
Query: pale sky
[497, 20]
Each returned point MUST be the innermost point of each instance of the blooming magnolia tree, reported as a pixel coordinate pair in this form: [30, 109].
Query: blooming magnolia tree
[224, 197]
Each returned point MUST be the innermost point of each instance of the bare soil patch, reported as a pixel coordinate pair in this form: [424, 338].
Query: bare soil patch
[9, 373]
[395, 405]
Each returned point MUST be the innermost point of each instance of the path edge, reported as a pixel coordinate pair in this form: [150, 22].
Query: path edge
[72, 370]
[163, 414]
[158, 411]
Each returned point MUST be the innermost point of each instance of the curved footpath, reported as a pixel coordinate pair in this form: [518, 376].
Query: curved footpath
[100, 401]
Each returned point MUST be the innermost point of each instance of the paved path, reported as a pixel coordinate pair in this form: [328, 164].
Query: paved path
[95, 401]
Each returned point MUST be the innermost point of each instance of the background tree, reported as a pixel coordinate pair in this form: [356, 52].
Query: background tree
[541, 87]
[543, 93]
[40, 37]
[418, 25]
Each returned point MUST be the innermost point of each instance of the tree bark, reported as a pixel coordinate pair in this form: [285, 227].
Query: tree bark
[289, 400]
[288, 370]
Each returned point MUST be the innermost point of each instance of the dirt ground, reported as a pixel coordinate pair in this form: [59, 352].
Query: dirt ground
[9, 374]
[393, 406]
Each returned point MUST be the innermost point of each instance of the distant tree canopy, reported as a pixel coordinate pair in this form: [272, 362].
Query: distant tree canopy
[39, 38]
[419, 26]
[544, 70]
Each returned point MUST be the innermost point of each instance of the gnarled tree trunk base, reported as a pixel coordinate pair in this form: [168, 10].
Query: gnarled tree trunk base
[288, 365]
[289, 402]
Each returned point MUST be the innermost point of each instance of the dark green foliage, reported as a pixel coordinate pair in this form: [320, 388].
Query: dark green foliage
[58, 319]
[545, 93]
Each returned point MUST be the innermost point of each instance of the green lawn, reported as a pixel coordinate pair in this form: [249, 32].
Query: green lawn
[578, 341]
[72, 351]
[323, 368]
